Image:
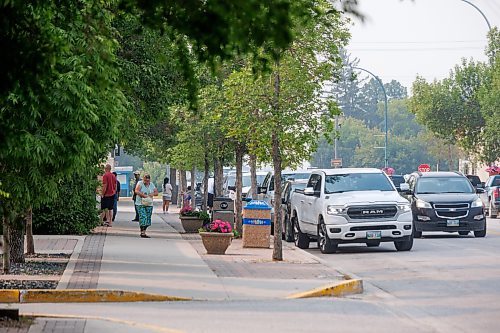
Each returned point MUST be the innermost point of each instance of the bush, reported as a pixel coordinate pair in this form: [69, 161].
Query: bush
[74, 211]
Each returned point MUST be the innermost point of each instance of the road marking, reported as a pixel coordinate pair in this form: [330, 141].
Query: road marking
[113, 320]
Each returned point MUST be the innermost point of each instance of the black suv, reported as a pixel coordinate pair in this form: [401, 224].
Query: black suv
[445, 201]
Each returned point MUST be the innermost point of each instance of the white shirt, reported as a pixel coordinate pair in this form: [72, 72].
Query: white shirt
[211, 183]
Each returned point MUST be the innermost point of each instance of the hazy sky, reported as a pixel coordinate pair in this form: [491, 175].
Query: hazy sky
[402, 38]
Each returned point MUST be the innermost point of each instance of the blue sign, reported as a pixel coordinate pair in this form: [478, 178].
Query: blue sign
[258, 204]
[257, 221]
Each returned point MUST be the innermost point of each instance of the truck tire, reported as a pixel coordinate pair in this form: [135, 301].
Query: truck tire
[404, 245]
[288, 229]
[301, 239]
[492, 213]
[325, 244]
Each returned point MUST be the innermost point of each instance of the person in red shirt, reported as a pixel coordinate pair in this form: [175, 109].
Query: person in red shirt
[108, 195]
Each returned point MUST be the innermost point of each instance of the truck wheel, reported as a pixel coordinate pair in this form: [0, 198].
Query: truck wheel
[480, 233]
[301, 239]
[463, 233]
[404, 245]
[492, 211]
[288, 229]
[325, 244]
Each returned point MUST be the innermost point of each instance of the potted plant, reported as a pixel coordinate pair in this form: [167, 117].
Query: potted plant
[192, 220]
[493, 170]
[216, 236]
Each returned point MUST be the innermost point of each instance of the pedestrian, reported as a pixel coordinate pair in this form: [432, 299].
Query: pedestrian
[137, 177]
[186, 197]
[108, 195]
[167, 194]
[117, 196]
[211, 193]
[145, 191]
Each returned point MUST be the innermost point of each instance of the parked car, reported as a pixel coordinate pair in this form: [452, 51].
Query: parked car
[445, 201]
[230, 183]
[351, 206]
[397, 180]
[289, 188]
[477, 183]
[267, 188]
[492, 189]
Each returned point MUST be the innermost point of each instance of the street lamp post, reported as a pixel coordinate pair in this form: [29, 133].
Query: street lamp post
[385, 107]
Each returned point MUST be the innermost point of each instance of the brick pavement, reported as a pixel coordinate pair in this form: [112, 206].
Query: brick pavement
[59, 326]
[88, 265]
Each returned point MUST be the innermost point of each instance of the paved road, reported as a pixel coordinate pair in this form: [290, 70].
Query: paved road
[447, 282]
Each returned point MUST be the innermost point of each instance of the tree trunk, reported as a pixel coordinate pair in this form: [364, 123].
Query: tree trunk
[205, 183]
[183, 185]
[173, 182]
[193, 187]
[6, 245]
[276, 156]
[30, 244]
[218, 177]
[16, 239]
[253, 175]
[239, 179]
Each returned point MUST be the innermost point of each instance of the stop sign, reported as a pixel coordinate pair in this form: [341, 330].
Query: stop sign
[424, 168]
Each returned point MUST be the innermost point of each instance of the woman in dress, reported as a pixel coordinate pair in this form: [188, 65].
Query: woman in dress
[167, 194]
[145, 191]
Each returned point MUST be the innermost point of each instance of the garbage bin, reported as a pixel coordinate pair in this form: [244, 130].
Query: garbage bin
[256, 224]
[223, 210]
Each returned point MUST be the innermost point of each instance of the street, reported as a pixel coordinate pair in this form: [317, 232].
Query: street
[448, 282]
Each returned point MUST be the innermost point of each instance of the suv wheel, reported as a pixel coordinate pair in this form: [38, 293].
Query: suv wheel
[480, 233]
[301, 239]
[288, 229]
[491, 210]
[325, 244]
[404, 245]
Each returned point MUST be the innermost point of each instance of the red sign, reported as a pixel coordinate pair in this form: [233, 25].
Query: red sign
[424, 168]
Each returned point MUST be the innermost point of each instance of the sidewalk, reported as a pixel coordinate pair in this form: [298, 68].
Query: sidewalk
[174, 263]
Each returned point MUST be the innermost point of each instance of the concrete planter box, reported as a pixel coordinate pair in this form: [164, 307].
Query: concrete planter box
[191, 223]
[216, 242]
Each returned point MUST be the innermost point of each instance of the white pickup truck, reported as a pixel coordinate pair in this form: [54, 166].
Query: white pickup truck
[351, 206]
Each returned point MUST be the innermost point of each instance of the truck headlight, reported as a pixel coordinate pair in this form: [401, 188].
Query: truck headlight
[423, 204]
[334, 210]
[404, 207]
[477, 203]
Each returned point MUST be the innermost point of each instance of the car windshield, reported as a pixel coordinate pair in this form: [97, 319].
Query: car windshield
[247, 181]
[397, 180]
[443, 185]
[292, 176]
[357, 182]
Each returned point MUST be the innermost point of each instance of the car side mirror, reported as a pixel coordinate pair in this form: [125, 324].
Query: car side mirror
[308, 191]
[404, 187]
[480, 190]
[261, 190]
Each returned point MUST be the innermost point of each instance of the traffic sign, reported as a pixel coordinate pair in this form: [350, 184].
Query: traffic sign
[424, 168]
[336, 162]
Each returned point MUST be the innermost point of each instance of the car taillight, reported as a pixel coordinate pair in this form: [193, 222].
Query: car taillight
[496, 193]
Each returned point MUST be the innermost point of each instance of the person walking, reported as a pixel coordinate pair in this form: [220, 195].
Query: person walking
[137, 177]
[167, 194]
[108, 196]
[145, 191]
[117, 196]
[211, 193]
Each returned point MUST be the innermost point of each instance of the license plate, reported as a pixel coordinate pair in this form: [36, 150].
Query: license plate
[453, 223]
[373, 234]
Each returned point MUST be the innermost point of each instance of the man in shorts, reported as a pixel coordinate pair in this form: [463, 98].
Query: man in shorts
[108, 195]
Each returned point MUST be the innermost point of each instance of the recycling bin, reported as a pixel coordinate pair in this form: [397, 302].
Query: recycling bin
[257, 224]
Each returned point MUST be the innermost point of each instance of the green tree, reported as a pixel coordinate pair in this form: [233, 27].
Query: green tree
[60, 101]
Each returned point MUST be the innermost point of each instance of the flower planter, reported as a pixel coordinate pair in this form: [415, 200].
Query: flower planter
[216, 242]
[191, 223]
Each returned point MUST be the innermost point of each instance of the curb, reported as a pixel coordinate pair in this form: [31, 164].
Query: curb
[337, 289]
[81, 296]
